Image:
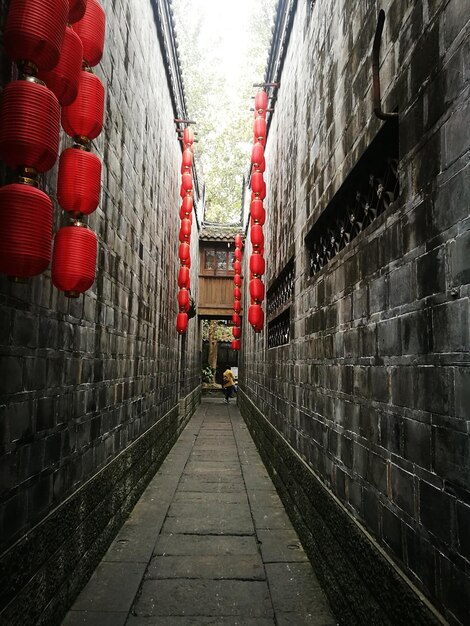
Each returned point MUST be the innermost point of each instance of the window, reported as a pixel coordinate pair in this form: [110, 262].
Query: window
[217, 260]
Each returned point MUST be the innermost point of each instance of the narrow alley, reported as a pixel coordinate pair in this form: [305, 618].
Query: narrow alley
[209, 542]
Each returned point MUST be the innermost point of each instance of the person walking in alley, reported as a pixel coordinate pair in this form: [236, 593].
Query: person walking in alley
[229, 384]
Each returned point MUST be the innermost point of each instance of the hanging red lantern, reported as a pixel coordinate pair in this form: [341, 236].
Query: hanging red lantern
[84, 117]
[238, 241]
[187, 158]
[34, 31]
[185, 230]
[74, 259]
[76, 10]
[236, 332]
[237, 293]
[79, 181]
[64, 78]
[187, 182]
[257, 264]
[260, 167]
[236, 319]
[237, 280]
[257, 212]
[237, 267]
[237, 306]
[183, 277]
[90, 28]
[29, 125]
[184, 254]
[238, 254]
[257, 153]
[236, 344]
[188, 136]
[181, 323]
[256, 235]
[255, 315]
[257, 182]
[261, 101]
[260, 129]
[261, 195]
[186, 206]
[25, 230]
[183, 300]
[257, 290]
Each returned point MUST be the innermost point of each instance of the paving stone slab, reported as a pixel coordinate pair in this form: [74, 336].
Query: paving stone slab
[220, 518]
[263, 498]
[298, 619]
[280, 546]
[210, 567]
[205, 598]
[198, 466]
[95, 618]
[273, 517]
[216, 456]
[196, 621]
[219, 486]
[205, 545]
[112, 587]
[295, 589]
[196, 497]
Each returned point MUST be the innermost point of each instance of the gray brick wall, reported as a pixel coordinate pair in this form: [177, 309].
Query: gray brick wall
[81, 380]
[372, 390]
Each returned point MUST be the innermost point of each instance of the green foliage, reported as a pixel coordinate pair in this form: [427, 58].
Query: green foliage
[222, 331]
[218, 80]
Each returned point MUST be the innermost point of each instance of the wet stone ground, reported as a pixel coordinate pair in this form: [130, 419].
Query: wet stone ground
[209, 542]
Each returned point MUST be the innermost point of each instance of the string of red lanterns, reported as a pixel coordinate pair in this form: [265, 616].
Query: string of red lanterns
[258, 214]
[79, 176]
[186, 216]
[29, 134]
[237, 294]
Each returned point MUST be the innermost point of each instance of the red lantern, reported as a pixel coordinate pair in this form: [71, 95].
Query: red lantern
[84, 117]
[257, 153]
[237, 307]
[235, 344]
[238, 241]
[238, 254]
[237, 294]
[184, 254]
[183, 277]
[187, 158]
[181, 323]
[34, 31]
[260, 167]
[185, 230]
[237, 267]
[91, 29]
[260, 129]
[186, 206]
[237, 280]
[64, 78]
[236, 320]
[257, 182]
[183, 300]
[261, 101]
[25, 230]
[255, 315]
[257, 264]
[74, 260]
[187, 182]
[256, 235]
[257, 289]
[236, 332]
[260, 195]
[257, 211]
[76, 10]
[79, 181]
[188, 136]
[29, 125]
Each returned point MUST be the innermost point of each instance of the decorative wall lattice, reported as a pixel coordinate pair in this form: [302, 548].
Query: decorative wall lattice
[367, 192]
[282, 290]
[279, 330]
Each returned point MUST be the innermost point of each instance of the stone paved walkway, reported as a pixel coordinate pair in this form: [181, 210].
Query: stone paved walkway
[209, 542]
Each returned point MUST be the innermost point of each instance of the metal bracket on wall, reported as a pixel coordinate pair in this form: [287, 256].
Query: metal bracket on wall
[376, 72]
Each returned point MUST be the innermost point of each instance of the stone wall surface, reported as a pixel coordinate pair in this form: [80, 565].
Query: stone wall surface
[94, 391]
[372, 390]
